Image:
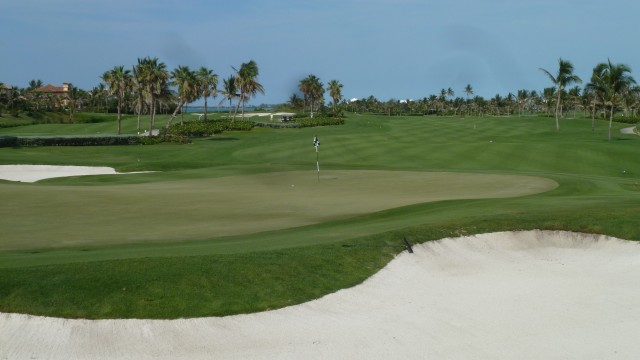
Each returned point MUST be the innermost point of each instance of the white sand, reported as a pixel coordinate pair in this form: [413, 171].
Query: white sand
[33, 173]
[527, 295]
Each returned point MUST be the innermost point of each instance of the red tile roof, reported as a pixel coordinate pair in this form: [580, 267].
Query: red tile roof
[52, 89]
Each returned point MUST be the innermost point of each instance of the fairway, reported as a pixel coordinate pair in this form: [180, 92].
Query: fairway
[239, 223]
[199, 209]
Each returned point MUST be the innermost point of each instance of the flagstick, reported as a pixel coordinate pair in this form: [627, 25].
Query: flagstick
[318, 163]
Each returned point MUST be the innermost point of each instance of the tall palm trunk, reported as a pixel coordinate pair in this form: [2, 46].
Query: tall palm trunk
[175, 113]
[611, 118]
[558, 109]
[152, 114]
[119, 114]
[205, 105]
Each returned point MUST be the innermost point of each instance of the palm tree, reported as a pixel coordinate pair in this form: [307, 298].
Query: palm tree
[247, 82]
[119, 81]
[468, 90]
[208, 85]
[229, 91]
[443, 99]
[523, 98]
[34, 84]
[547, 98]
[611, 80]
[153, 77]
[574, 97]
[72, 98]
[335, 91]
[188, 89]
[563, 78]
[294, 101]
[312, 89]
[138, 90]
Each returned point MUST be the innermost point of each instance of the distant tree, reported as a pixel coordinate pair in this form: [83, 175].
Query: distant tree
[450, 93]
[573, 95]
[562, 79]
[153, 77]
[208, 85]
[72, 97]
[119, 81]
[312, 89]
[335, 91]
[442, 99]
[295, 101]
[34, 84]
[188, 89]
[522, 98]
[247, 83]
[468, 90]
[139, 93]
[548, 98]
[612, 81]
[229, 91]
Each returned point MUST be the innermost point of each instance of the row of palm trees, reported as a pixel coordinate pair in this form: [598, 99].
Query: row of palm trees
[144, 89]
[313, 90]
[610, 84]
[149, 81]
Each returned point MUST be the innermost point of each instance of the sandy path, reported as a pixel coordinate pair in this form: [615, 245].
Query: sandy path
[528, 295]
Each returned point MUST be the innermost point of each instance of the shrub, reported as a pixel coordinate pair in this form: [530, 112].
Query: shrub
[200, 128]
[237, 125]
[9, 141]
[197, 128]
[319, 121]
[279, 125]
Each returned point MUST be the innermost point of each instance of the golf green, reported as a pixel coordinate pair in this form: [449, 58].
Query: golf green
[170, 211]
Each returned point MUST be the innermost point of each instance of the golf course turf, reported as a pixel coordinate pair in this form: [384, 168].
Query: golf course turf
[239, 223]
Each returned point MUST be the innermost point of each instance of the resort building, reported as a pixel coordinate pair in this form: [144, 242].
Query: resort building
[56, 93]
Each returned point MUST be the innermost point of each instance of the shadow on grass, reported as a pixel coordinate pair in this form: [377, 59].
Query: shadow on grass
[222, 139]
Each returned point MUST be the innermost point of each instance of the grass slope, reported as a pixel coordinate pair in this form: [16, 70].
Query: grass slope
[598, 192]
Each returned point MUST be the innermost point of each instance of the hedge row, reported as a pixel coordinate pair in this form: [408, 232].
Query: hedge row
[199, 128]
[319, 121]
[12, 141]
[195, 128]
[279, 125]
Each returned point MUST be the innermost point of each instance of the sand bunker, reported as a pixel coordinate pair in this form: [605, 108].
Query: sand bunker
[542, 295]
[33, 173]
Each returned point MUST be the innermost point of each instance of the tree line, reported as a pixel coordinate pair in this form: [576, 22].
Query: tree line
[145, 89]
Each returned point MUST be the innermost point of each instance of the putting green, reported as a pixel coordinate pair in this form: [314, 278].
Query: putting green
[43, 216]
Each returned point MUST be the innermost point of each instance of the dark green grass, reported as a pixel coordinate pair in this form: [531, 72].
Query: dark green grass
[598, 193]
[219, 285]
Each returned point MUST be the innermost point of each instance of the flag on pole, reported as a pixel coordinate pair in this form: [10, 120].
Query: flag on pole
[316, 144]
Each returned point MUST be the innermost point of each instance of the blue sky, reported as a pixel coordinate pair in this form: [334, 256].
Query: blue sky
[401, 49]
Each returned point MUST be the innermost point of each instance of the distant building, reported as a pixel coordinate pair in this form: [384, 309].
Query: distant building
[59, 93]
[55, 90]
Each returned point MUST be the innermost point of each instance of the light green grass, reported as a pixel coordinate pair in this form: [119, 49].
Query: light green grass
[226, 206]
[598, 192]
